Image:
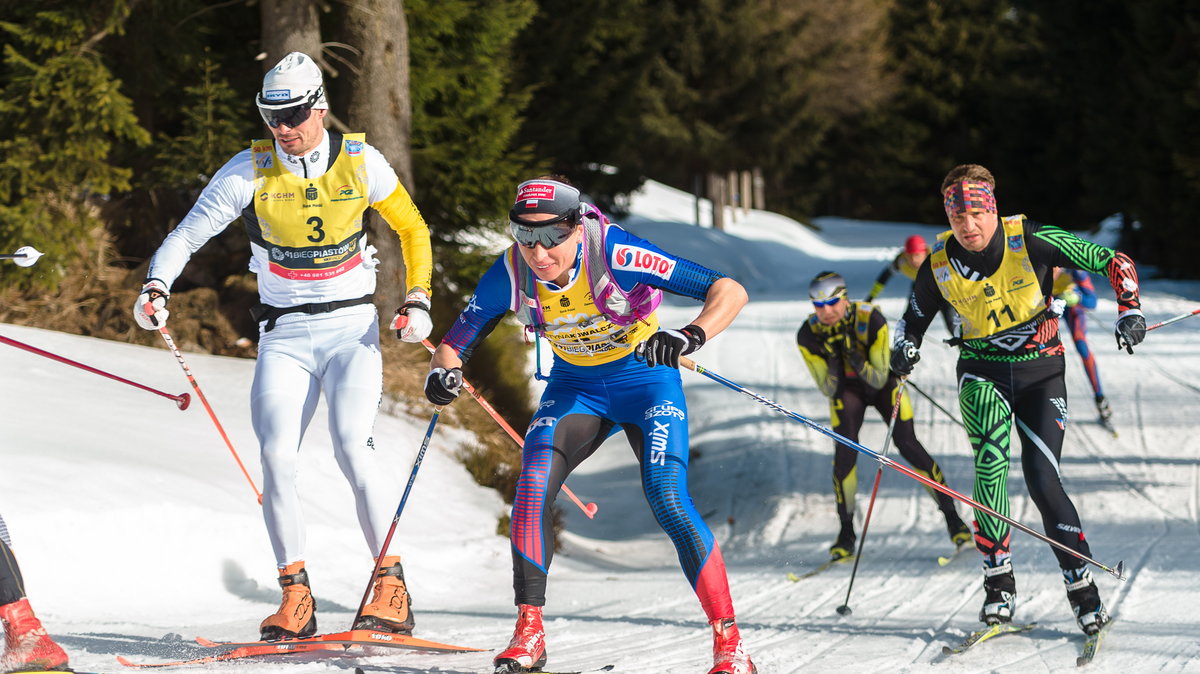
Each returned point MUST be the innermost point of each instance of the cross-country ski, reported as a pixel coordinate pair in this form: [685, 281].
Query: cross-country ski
[984, 634]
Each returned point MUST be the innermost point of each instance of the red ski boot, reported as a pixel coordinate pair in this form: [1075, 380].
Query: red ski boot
[728, 656]
[28, 646]
[527, 650]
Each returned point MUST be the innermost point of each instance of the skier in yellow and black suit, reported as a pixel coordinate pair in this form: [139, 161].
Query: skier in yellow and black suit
[845, 345]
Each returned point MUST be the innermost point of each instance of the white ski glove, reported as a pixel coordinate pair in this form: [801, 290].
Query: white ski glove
[412, 322]
[150, 310]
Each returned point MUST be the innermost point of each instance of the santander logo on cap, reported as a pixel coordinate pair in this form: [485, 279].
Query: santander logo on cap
[531, 193]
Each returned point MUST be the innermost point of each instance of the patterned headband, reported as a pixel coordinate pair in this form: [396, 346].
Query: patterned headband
[965, 196]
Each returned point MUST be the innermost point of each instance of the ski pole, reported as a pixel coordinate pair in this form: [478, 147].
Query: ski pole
[1118, 572]
[588, 509]
[387, 540]
[181, 400]
[25, 256]
[935, 403]
[1169, 321]
[212, 415]
[844, 609]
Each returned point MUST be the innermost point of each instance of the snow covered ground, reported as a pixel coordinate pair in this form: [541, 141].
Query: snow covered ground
[137, 532]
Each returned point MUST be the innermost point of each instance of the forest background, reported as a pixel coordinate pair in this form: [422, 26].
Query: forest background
[114, 114]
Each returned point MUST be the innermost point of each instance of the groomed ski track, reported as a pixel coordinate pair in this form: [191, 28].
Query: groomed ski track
[131, 521]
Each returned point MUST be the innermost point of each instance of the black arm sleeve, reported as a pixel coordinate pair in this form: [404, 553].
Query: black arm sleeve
[923, 304]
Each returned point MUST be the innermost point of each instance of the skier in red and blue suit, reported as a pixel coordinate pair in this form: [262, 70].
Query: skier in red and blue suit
[591, 289]
[1077, 291]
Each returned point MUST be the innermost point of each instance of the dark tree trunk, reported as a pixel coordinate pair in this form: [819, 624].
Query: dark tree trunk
[288, 26]
[379, 105]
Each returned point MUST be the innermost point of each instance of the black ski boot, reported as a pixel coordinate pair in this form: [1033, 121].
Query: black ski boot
[1103, 409]
[1085, 600]
[960, 533]
[999, 594]
[844, 545]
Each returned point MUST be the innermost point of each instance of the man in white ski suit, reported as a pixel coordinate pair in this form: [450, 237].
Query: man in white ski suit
[302, 196]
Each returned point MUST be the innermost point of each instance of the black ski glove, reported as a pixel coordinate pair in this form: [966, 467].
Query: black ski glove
[666, 346]
[904, 356]
[442, 386]
[1131, 329]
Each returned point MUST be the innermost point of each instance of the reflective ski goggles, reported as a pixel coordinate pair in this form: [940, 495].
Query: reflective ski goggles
[292, 115]
[549, 233]
[827, 302]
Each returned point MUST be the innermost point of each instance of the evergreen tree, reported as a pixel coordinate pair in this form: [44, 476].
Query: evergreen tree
[466, 162]
[61, 113]
[672, 90]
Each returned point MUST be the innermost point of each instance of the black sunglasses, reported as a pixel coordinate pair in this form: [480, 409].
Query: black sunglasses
[549, 233]
[292, 116]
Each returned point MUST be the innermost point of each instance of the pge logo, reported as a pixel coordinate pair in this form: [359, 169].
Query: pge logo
[629, 258]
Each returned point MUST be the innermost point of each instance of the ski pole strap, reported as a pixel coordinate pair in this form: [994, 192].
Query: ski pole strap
[265, 312]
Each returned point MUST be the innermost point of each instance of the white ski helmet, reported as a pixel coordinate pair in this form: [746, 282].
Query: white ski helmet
[294, 81]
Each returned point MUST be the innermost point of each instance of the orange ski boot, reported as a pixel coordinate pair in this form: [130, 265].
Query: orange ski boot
[28, 646]
[527, 650]
[728, 656]
[296, 616]
[390, 609]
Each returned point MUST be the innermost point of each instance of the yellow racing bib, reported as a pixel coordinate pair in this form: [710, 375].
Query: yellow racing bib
[989, 305]
[579, 333]
[312, 228]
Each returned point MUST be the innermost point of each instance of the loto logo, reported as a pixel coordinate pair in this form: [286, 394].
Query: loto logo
[658, 443]
[630, 258]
